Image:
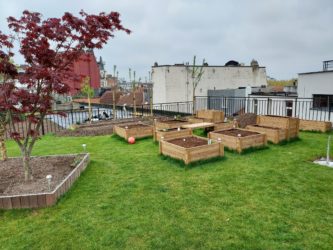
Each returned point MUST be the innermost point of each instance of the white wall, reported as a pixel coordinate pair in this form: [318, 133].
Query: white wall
[170, 81]
[315, 83]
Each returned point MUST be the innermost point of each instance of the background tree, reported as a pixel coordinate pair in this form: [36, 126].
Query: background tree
[88, 91]
[134, 90]
[196, 73]
[7, 74]
[50, 47]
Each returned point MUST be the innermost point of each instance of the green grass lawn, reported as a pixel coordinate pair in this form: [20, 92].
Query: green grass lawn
[129, 197]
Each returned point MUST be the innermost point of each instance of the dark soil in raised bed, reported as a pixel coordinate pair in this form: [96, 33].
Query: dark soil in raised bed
[189, 142]
[12, 174]
[259, 126]
[95, 128]
[136, 125]
[236, 132]
[172, 121]
[171, 129]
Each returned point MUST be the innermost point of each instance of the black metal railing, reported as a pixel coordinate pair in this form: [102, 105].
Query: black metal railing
[303, 108]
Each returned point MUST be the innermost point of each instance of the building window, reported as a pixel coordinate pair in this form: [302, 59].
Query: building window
[323, 101]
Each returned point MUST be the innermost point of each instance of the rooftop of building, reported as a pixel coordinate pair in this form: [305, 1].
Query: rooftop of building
[231, 63]
[327, 68]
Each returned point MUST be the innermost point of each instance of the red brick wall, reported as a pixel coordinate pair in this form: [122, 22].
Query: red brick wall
[85, 66]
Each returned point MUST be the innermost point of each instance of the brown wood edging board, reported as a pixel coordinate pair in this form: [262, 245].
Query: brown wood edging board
[41, 200]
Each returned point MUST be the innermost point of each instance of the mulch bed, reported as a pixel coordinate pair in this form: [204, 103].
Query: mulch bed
[12, 174]
[189, 142]
[95, 128]
[236, 132]
[246, 119]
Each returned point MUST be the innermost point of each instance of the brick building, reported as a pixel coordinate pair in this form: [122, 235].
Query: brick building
[85, 66]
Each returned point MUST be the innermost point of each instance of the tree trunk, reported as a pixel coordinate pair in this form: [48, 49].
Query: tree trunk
[26, 165]
[134, 102]
[193, 100]
[3, 148]
[89, 109]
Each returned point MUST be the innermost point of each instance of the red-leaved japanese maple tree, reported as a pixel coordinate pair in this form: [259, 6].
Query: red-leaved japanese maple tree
[50, 47]
[7, 100]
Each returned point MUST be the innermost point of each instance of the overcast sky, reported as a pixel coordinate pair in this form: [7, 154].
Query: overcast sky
[287, 37]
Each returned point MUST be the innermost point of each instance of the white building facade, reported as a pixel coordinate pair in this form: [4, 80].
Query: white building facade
[172, 83]
[314, 100]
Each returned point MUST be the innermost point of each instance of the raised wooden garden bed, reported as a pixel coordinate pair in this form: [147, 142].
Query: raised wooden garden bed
[44, 199]
[191, 148]
[138, 130]
[274, 135]
[168, 124]
[172, 133]
[224, 125]
[290, 124]
[209, 115]
[309, 125]
[239, 139]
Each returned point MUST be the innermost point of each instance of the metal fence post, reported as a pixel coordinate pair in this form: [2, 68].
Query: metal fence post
[329, 108]
[72, 116]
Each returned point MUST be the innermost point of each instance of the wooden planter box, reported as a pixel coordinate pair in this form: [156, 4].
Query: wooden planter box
[133, 130]
[254, 139]
[169, 124]
[315, 125]
[223, 125]
[41, 200]
[290, 124]
[196, 120]
[209, 115]
[274, 135]
[169, 134]
[191, 154]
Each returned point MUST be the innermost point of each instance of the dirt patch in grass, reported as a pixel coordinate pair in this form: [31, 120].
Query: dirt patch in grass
[236, 132]
[95, 128]
[12, 174]
[189, 142]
